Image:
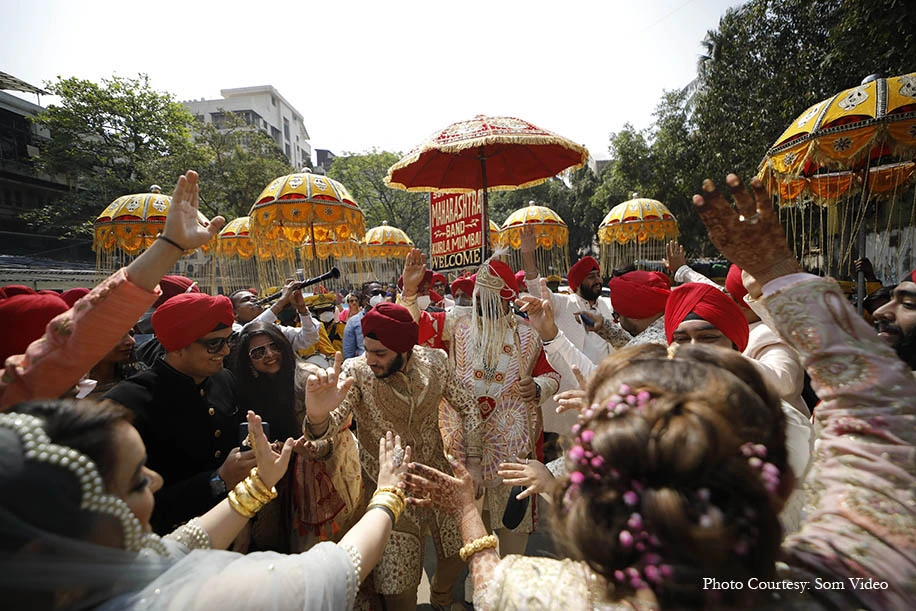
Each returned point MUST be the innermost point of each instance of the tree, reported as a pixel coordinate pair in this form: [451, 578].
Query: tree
[364, 175]
[108, 140]
[240, 163]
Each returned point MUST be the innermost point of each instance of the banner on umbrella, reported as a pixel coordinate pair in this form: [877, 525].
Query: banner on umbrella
[455, 230]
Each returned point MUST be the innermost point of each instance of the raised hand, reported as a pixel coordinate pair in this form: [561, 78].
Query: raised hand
[414, 271]
[271, 465]
[540, 311]
[182, 225]
[575, 398]
[674, 256]
[432, 488]
[529, 240]
[324, 390]
[392, 460]
[751, 236]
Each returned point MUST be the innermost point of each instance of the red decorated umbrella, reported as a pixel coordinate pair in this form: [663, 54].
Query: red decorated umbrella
[484, 153]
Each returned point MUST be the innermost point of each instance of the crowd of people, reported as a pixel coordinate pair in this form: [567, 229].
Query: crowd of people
[693, 445]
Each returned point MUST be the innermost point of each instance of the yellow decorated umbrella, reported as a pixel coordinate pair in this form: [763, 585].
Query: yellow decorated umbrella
[843, 153]
[384, 248]
[129, 225]
[298, 209]
[552, 238]
[635, 232]
[346, 255]
[235, 256]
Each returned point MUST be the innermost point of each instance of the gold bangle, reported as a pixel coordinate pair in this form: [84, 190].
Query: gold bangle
[390, 497]
[254, 492]
[389, 507]
[246, 499]
[478, 545]
[238, 507]
[394, 490]
[260, 486]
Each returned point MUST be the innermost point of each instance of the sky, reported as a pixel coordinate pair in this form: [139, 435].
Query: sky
[368, 74]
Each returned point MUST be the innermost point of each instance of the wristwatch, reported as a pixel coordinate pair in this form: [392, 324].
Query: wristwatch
[217, 485]
[537, 391]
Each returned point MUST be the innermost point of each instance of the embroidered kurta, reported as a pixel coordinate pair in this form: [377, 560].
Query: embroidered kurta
[408, 403]
[510, 425]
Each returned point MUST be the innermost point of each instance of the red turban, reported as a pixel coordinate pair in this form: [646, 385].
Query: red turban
[426, 282]
[439, 278]
[71, 296]
[391, 324]
[434, 297]
[735, 287]
[187, 317]
[23, 319]
[520, 281]
[464, 284]
[172, 286]
[580, 270]
[710, 304]
[639, 294]
[11, 290]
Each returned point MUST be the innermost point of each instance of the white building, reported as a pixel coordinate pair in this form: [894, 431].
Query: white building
[265, 109]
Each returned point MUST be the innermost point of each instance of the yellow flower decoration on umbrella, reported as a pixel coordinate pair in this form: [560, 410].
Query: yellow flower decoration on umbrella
[635, 232]
[130, 224]
[384, 249]
[552, 236]
[235, 251]
[234, 240]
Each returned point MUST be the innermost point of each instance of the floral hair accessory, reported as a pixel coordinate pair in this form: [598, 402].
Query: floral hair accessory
[756, 454]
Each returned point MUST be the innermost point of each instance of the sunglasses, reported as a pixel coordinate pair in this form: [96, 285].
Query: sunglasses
[260, 352]
[215, 345]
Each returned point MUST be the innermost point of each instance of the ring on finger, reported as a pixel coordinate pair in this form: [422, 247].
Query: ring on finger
[750, 220]
[397, 458]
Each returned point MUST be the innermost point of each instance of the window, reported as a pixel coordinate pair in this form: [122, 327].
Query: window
[286, 128]
[286, 148]
[273, 100]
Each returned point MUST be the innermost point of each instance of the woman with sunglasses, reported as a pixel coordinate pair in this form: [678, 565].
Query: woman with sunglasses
[352, 303]
[320, 491]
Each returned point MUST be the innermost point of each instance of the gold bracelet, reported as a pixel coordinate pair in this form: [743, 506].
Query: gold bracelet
[478, 545]
[254, 492]
[390, 502]
[260, 486]
[393, 489]
[246, 499]
[238, 507]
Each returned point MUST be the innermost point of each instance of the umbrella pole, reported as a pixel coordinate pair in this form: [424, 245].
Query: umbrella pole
[485, 229]
[860, 240]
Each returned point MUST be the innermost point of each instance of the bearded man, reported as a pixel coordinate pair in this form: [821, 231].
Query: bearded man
[895, 321]
[399, 386]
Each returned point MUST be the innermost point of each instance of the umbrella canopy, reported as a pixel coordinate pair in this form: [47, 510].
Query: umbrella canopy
[494, 235]
[852, 148]
[517, 153]
[635, 232]
[552, 238]
[384, 248]
[235, 263]
[129, 225]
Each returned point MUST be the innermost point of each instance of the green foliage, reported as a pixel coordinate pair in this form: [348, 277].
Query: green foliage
[239, 163]
[108, 140]
[364, 175]
[767, 62]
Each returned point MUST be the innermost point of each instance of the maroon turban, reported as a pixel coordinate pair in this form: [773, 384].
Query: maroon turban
[434, 297]
[520, 281]
[438, 278]
[71, 296]
[735, 287]
[464, 285]
[425, 283]
[639, 294]
[391, 324]
[172, 286]
[187, 317]
[11, 290]
[23, 319]
[580, 270]
[710, 304]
